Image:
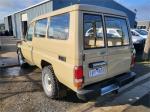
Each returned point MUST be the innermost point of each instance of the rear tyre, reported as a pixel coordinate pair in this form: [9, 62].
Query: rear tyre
[50, 83]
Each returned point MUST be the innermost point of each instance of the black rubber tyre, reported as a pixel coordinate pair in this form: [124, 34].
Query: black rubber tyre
[21, 61]
[50, 83]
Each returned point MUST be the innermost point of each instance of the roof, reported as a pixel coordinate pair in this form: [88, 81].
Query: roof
[40, 3]
[83, 7]
[45, 1]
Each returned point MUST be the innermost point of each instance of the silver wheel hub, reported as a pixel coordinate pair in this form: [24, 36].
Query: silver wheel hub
[47, 81]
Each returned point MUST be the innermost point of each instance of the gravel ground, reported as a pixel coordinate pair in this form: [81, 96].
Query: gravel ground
[22, 92]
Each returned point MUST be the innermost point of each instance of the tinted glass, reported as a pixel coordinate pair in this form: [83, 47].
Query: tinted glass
[40, 28]
[134, 33]
[59, 27]
[117, 31]
[93, 31]
[142, 32]
[29, 35]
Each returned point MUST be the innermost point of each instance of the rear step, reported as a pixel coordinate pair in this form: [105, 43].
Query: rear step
[121, 81]
[109, 89]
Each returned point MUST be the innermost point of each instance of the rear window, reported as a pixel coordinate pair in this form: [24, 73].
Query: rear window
[40, 28]
[120, 34]
[93, 31]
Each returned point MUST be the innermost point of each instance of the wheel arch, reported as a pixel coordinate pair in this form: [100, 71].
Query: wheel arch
[45, 63]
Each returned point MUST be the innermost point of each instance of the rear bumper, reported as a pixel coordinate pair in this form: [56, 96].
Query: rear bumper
[90, 92]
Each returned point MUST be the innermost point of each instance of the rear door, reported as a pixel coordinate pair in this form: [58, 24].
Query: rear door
[95, 51]
[119, 52]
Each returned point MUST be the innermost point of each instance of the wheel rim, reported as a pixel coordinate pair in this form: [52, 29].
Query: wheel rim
[47, 82]
[20, 59]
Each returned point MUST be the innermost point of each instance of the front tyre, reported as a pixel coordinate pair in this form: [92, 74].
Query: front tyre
[21, 61]
[50, 83]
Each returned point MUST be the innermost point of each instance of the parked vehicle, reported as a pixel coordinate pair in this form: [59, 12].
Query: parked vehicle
[140, 32]
[90, 65]
[114, 32]
[137, 39]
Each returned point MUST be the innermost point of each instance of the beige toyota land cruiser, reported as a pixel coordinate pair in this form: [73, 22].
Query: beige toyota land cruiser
[83, 47]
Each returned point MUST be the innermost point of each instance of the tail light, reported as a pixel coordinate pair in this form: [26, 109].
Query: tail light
[78, 76]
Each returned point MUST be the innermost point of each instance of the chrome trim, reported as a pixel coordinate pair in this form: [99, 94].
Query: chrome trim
[109, 89]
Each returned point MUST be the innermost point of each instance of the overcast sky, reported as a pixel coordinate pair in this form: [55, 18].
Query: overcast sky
[10, 6]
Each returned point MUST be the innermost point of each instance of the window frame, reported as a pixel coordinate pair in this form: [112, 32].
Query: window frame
[103, 26]
[45, 29]
[68, 13]
[127, 24]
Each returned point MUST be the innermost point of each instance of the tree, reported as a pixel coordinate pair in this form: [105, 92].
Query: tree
[146, 53]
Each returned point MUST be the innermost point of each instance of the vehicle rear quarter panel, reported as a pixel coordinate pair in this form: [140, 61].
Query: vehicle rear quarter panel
[49, 50]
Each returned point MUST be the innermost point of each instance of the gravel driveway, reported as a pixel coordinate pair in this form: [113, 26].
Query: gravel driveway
[22, 92]
[21, 89]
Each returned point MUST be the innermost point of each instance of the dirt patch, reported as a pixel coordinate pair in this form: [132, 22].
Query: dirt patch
[23, 93]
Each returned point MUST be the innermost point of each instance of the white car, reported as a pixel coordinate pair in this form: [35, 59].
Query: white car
[114, 32]
[90, 32]
[110, 31]
[141, 33]
[136, 38]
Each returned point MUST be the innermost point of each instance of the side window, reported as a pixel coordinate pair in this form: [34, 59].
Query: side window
[59, 27]
[120, 35]
[41, 28]
[29, 34]
[133, 34]
[93, 31]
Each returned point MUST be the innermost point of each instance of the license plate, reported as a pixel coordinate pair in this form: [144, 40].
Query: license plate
[97, 72]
